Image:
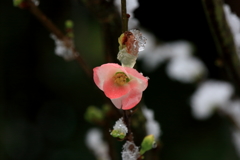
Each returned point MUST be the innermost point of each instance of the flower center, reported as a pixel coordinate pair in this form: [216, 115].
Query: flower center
[120, 78]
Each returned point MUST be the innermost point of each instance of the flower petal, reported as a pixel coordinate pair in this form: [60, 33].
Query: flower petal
[143, 81]
[113, 90]
[117, 102]
[129, 100]
[132, 99]
[105, 71]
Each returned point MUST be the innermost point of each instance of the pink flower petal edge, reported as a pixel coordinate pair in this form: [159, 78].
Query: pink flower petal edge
[103, 72]
[128, 101]
[124, 96]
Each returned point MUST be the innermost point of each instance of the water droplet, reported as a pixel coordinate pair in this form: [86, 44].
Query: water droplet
[154, 144]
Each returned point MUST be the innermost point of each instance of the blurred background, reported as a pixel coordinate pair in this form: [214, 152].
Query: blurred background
[43, 98]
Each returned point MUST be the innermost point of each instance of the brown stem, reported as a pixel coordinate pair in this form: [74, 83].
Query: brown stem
[44, 20]
[126, 113]
[53, 29]
[127, 119]
[124, 16]
[82, 63]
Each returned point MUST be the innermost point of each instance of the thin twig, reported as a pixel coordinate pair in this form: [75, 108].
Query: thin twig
[124, 16]
[53, 29]
[126, 114]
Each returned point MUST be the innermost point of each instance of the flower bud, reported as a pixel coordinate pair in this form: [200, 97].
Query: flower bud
[69, 24]
[69, 28]
[147, 144]
[118, 134]
[130, 43]
[119, 130]
[121, 41]
[16, 3]
[93, 114]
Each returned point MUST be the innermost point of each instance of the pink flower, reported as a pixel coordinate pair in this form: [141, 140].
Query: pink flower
[123, 85]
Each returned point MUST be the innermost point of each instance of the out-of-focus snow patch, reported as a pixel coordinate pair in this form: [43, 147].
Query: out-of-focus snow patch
[153, 57]
[36, 2]
[152, 126]
[209, 96]
[234, 24]
[95, 142]
[232, 19]
[131, 5]
[186, 69]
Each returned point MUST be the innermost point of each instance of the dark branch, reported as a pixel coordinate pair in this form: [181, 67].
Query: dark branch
[53, 29]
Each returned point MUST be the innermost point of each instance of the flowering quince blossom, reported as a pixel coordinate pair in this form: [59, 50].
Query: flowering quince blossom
[123, 85]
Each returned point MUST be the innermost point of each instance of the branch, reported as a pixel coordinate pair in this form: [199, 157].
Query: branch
[127, 119]
[124, 16]
[53, 29]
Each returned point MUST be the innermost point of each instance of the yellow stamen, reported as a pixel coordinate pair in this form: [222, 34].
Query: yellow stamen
[120, 78]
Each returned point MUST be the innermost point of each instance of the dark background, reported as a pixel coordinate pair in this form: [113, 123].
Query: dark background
[43, 98]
